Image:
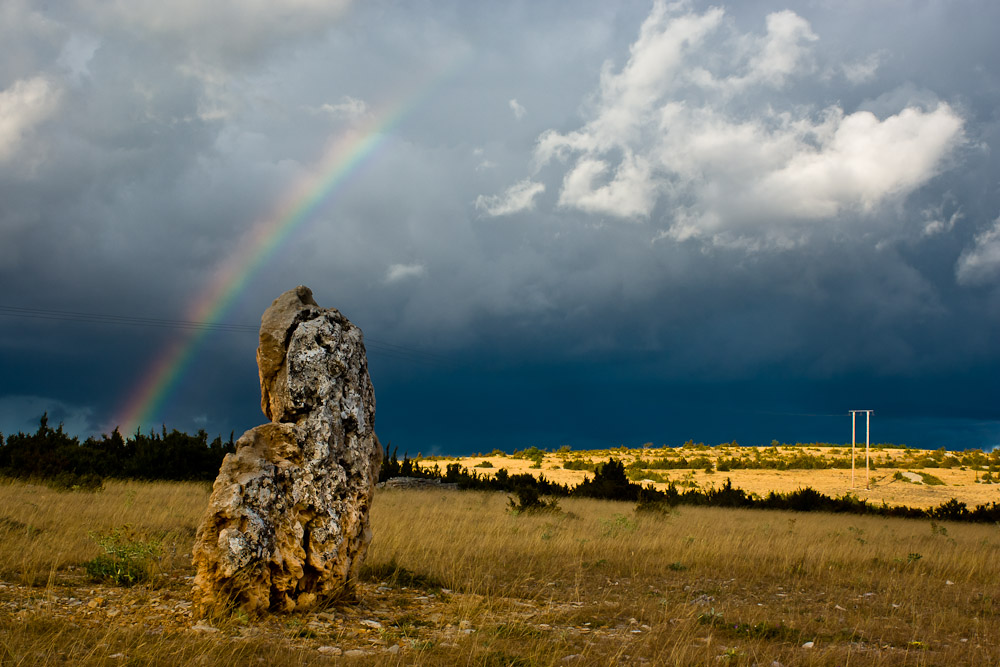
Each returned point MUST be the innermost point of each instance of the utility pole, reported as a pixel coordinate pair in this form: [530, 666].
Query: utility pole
[868, 430]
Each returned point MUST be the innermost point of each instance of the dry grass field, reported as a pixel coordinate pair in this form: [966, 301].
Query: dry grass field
[960, 482]
[454, 578]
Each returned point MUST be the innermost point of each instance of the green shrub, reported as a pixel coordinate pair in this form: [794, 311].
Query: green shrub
[643, 475]
[484, 464]
[930, 480]
[128, 559]
[530, 502]
[617, 525]
[68, 481]
[529, 453]
[653, 504]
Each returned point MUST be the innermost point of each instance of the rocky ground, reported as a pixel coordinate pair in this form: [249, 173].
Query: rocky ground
[393, 624]
[388, 620]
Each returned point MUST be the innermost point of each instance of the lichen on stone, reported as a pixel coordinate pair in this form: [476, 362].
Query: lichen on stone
[287, 524]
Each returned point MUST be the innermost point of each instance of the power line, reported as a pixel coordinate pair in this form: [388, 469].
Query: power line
[791, 414]
[384, 348]
[71, 316]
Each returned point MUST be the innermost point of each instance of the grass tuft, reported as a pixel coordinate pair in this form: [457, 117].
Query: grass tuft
[129, 557]
[394, 574]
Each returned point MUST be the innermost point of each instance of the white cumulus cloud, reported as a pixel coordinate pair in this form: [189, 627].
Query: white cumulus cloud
[631, 192]
[22, 107]
[860, 71]
[766, 60]
[861, 161]
[936, 221]
[348, 107]
[400, 272]
[518, 197]
[517, 108]
[980, 264]
[689, 121]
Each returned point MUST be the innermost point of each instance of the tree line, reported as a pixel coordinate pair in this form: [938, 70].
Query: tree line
[52, 455]
[610, 481]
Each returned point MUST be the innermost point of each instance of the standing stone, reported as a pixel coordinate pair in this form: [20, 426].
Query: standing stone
[287, 522]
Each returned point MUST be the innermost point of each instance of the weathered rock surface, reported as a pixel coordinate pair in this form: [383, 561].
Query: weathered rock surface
[287, 523]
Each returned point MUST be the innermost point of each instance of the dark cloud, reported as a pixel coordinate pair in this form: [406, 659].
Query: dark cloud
[693, 219]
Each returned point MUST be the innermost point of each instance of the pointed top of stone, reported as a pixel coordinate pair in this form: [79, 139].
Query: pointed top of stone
[276, 326]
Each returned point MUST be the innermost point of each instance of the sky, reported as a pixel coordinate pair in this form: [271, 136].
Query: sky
[593, 225]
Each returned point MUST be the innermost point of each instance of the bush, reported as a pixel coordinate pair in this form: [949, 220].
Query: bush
[530, 502]
[128, 558]
[931, 480]
[951, 510]
[610, 482]
[529, 453]
[641, 475]
[654, 504]
[68, 481]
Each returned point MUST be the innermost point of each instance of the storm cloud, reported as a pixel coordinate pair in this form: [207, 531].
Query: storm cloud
[617, 224]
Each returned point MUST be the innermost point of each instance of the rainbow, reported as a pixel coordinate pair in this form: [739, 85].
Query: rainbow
[342, 159]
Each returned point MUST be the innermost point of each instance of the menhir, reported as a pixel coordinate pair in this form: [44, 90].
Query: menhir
[287, 522]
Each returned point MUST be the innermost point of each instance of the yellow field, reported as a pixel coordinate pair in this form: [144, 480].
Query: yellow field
[958, 483]
[453, 578]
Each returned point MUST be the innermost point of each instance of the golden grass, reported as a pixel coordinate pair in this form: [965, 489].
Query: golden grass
[43, 530]
[958, 483]
[741, 572]
[452, 578]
